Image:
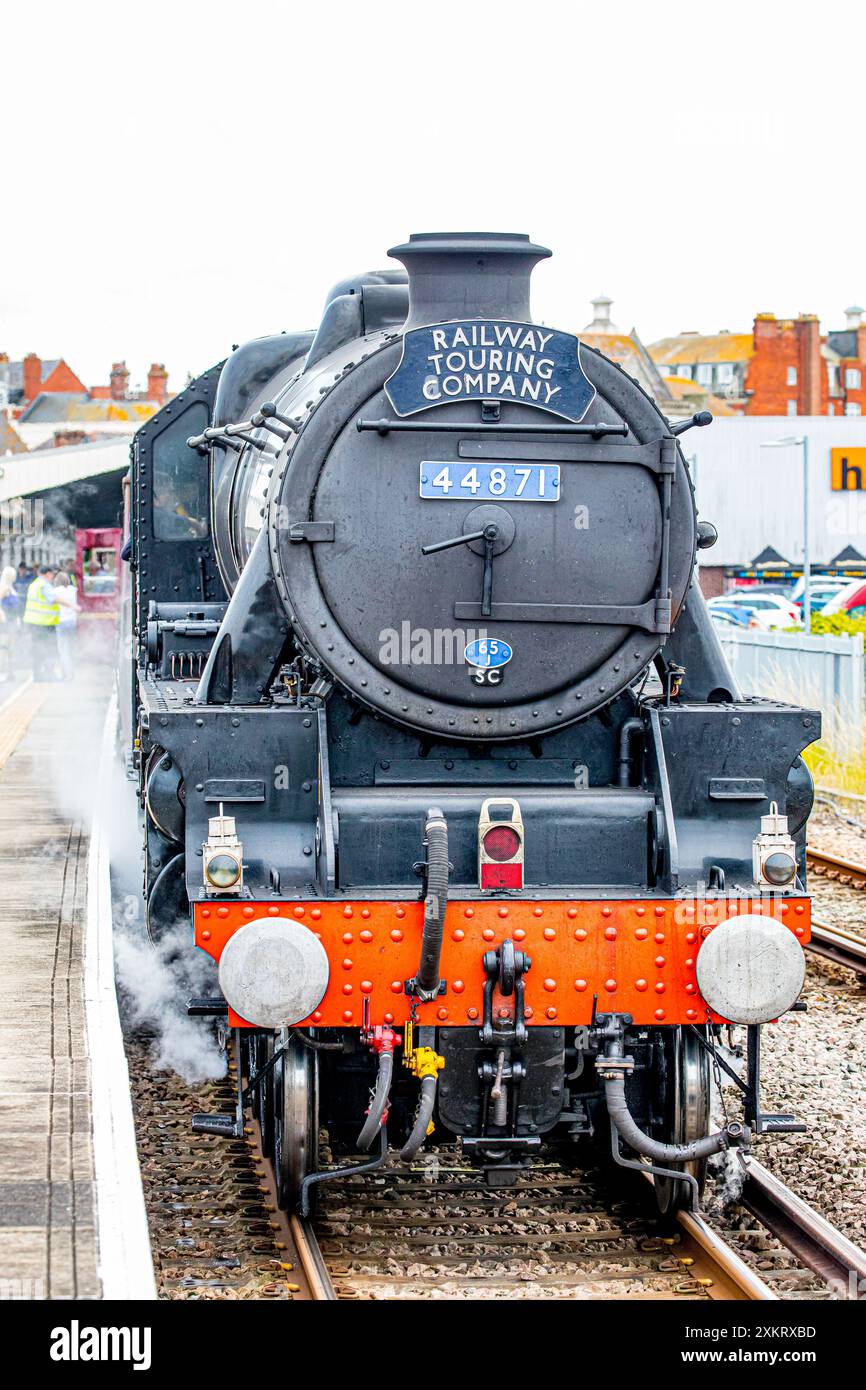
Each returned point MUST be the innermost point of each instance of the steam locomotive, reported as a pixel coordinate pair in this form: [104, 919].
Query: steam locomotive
[438, 751]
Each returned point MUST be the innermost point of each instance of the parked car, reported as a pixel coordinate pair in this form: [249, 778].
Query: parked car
[773, 611]
[734, 614]
[724, 620]
[851, 600]
[771, 587]
[821, 590]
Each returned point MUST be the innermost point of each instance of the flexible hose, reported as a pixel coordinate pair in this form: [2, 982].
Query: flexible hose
[379, 1103]
[422, 1119]
[614, 1094]
[435, 903]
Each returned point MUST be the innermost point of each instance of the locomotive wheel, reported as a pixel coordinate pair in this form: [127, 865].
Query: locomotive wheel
[296, 1119]
[685, 1105]
[167, 904]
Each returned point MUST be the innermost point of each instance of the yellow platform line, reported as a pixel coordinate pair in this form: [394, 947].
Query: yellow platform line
[16, 714]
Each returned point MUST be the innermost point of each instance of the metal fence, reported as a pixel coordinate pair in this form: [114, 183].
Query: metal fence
[827, 671]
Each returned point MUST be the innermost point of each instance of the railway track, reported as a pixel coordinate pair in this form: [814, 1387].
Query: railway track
[216, 1230]
[835, 943]
[436, 1231]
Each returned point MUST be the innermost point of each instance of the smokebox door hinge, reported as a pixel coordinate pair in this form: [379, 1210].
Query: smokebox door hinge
[311, 531]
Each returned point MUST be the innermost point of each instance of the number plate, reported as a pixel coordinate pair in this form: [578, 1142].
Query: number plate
[512, 482]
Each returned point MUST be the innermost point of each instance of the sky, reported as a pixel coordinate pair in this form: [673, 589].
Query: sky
[181, 177]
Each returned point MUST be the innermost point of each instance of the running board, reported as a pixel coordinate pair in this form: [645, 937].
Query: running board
[226, 1126]
[213, 1005]
[479, 1142]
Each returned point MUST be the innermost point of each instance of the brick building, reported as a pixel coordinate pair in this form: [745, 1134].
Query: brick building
[675, 398]
[21, 382]
[49, 403]
[784, 367]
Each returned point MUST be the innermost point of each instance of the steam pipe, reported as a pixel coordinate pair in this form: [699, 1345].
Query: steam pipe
[379, 1103]
[629, 727]
[422, 1119]
[732, 1135]
[426, 982]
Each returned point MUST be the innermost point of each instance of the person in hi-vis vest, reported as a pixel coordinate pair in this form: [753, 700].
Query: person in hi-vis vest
[41, 616]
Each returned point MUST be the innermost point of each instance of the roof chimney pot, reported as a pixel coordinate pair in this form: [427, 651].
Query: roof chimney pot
[119, 381]
[32, 377]
[601, 316]
[157, 383]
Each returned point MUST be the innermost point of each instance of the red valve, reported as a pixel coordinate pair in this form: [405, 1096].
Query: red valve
[382, 1038]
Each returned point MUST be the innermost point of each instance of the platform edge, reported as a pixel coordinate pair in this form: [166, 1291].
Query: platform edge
[125, 1258]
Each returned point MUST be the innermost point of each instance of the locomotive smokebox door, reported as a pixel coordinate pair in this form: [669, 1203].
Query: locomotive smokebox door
[557, 530]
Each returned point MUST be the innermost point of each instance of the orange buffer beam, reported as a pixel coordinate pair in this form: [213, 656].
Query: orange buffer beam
[638, 956]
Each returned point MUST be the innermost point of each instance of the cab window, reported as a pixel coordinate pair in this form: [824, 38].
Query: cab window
[180, 480]
[99, 570]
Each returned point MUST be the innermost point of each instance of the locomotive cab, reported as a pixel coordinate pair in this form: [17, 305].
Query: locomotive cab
[438, 749]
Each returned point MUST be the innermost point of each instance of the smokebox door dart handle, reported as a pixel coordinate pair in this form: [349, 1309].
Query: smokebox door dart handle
[460, 540]
[488, 535]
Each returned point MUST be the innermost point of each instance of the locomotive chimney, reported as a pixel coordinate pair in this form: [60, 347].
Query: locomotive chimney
[468, 275]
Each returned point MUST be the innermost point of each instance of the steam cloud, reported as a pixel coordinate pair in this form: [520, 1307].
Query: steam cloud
[154, 983]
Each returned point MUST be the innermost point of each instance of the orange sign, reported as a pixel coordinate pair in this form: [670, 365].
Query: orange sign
[848, 470]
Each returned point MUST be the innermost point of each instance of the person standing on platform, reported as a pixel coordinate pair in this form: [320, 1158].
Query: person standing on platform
[41, 616]
[10, 608]
[23, 579]
[67, 623]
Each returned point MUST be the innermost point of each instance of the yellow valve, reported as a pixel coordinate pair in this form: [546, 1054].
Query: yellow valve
[425, 1062]
[420, 1061]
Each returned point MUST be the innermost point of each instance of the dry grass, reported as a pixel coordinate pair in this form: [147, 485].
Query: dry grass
[838, 758]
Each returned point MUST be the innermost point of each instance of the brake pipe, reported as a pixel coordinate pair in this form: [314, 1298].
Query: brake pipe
[383, 1041]
[422, 1119]
[426, 1064]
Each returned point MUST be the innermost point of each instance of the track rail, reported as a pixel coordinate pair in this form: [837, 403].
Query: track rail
[296, 1233]
[841, 947]
[215, 1228]
[834, 867]
[434, 1230]
[731, 1275]
[808, 1235]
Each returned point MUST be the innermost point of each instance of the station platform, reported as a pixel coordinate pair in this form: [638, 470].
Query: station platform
[65, 1117]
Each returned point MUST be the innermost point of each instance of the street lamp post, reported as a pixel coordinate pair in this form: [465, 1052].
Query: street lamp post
[803, 441]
